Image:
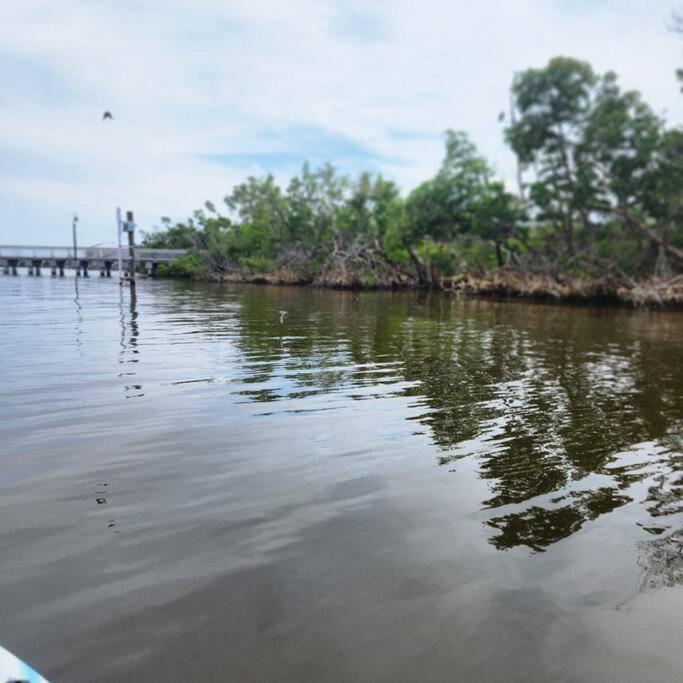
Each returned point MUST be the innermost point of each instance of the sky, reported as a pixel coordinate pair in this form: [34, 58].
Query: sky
[205, 93]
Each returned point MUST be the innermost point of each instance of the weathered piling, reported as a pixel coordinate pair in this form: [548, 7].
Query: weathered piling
[130, 229]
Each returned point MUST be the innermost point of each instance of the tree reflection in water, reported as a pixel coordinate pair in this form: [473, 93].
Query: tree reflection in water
[539, 527]
[661, 561]
[568, 412]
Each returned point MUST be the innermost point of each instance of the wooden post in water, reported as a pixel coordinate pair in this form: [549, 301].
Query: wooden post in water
[119, 226]
[130, 229]
[73, 231]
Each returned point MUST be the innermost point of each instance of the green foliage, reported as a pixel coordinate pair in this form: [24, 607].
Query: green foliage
[442, 258]
[190, 265]
[258, 264]
[602, 186]
[462, 202]
[171, 236]
[446, 205]
[368, 279]
[595, 155]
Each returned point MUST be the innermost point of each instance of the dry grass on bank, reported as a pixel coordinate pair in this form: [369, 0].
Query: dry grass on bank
[498, 283]
[513, 283]
[655, 293]
[280, 277]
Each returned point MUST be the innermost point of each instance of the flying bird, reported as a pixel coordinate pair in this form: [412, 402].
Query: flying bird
[107, 115]
[501, 116]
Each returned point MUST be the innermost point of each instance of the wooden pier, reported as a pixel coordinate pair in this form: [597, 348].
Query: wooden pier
[83, 260]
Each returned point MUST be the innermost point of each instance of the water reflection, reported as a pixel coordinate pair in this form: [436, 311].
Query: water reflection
[130, 333]
[340, 482]
[550, 406]
[539, 527]
[661, 561]
[79, 319]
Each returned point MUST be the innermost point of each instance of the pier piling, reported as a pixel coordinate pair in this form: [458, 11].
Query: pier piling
[130, 229]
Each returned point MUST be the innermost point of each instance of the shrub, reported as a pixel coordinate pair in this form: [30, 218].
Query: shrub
[186, 266]
[368, 279]
[258, 264]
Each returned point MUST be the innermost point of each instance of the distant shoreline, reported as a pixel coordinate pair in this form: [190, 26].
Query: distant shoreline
[502, 284]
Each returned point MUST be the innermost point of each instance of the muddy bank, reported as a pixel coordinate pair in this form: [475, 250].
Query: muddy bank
[497, 283]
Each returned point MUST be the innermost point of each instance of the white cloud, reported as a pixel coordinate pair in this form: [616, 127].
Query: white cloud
[186, 79]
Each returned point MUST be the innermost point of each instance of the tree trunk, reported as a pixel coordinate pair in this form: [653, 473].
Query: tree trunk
[651, 235]
[569, 235]
[499, 254]
[396, 266]
[420, 268]
[590, 232]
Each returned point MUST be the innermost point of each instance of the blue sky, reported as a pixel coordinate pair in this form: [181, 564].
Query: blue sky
[283, 151]
[206, 93]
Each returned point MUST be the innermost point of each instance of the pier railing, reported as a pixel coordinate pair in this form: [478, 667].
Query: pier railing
[21, 252]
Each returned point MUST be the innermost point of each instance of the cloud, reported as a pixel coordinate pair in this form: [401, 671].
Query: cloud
[204, 94]
[285, 150]
[29, 79]
[19, 163]
[357, 25]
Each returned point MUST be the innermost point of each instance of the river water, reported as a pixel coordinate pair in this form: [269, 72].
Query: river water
[384, 487]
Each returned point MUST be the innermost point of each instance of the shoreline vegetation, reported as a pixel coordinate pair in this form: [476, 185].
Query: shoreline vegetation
[597, 214]
[498, 283]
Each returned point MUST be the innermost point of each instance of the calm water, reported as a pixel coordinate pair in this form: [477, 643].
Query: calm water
[386, 487]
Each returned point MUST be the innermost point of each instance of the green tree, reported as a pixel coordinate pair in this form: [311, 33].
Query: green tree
[172, 236]
[553, 104]
[261, 218]
[597, 158]
[462, 200]
[605, 191]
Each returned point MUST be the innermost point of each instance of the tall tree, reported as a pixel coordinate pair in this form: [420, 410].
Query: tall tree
[463, 199]
[552, 105]
[594, 154]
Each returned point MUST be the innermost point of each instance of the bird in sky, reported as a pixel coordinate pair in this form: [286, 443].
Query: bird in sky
[107, 115]
[501, 116]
